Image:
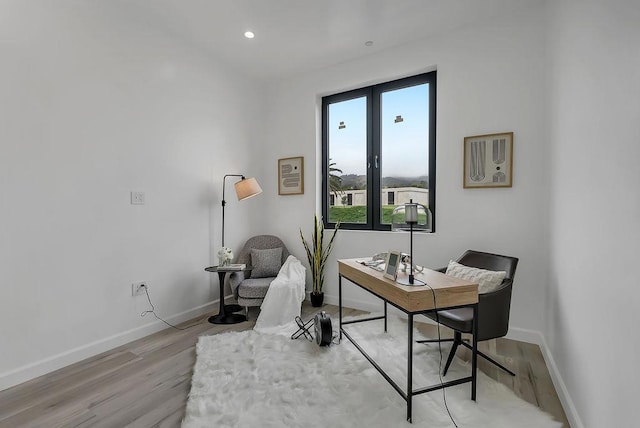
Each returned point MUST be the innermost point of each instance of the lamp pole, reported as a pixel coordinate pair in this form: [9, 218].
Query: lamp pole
[411, 254]
[225, 202]
[411, 217]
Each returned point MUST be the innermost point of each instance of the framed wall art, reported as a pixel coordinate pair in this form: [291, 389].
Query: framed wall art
[291, 176]
[488, 160]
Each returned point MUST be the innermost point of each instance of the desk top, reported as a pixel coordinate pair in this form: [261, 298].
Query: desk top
[449, 291]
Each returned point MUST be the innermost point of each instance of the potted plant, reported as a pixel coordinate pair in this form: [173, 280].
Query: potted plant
[317, 255]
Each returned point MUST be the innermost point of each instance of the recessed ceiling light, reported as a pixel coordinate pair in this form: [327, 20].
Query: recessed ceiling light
[368, 43]
[249, 34]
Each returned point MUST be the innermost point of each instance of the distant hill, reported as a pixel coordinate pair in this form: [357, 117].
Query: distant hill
[405, 181]
[353, 182]
[356, 182]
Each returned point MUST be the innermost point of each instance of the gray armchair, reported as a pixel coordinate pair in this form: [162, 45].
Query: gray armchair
[493, 307]
[247, 289]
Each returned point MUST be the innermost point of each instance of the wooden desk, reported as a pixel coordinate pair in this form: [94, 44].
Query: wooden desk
[444, 291]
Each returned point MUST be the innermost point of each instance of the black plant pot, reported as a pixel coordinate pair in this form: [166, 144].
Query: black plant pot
[317, 299]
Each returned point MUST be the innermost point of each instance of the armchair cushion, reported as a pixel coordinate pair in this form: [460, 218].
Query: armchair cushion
[488, 280]
[266, 263]
[254, 288]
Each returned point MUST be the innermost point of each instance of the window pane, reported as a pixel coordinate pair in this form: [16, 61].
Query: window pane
[378, 151]
[404, 148]
[348, 160]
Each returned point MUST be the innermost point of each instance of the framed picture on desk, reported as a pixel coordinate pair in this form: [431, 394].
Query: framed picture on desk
[391, 267]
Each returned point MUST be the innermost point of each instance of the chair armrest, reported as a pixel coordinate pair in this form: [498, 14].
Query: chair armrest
[493, 310]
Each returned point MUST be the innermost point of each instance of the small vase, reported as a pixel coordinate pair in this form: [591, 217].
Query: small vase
[223, 261]
[317, 299]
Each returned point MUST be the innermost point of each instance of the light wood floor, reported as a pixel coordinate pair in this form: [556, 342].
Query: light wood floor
[145, 383]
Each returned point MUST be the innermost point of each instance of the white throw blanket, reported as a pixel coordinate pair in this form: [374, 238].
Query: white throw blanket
[282, 303]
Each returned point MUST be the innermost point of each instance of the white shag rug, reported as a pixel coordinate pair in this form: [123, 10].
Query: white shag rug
[250, 379]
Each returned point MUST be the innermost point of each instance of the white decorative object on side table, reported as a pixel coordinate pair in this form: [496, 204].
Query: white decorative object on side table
[225, 255]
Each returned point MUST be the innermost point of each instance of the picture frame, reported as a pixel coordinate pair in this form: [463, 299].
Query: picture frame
[291, 176]
[391, 265]
[488, 160]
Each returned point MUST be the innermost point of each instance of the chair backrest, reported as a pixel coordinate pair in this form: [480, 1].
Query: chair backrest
[493, 307]
[489, 261]
[261, 242]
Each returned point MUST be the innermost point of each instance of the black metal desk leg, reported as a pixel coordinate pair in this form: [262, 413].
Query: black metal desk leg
[340, 306]
[409, 366]
[474, 353]
[385, 316]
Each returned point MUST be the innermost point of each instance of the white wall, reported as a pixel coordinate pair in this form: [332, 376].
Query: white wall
[595, 207]
[96, 104]
[490, 79]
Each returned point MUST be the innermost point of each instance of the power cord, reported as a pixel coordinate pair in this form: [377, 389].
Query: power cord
[444, 395]
[153, 311]
[335, 339]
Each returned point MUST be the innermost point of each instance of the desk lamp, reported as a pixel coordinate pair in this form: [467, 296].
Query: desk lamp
[411, 217]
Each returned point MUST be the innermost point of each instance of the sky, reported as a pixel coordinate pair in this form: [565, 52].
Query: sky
[404, 150]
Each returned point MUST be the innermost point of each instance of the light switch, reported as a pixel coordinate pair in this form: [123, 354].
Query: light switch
[137, 198]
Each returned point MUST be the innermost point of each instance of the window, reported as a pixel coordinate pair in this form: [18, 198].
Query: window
[378, 151]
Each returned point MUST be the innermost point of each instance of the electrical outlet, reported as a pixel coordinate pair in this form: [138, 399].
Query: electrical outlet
[137, 198]
[138, 288]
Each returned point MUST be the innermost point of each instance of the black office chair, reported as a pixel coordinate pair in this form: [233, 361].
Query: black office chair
[493, 307]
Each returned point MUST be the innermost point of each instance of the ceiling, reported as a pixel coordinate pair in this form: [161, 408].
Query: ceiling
[294, 36]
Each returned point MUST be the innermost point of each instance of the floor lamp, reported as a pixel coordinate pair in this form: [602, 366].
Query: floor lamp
[245, 189]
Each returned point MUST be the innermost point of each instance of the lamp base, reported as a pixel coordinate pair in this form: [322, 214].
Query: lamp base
[227, 319]
[404, 280]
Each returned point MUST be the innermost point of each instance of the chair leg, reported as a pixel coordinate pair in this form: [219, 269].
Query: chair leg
[434, 340]
[246, 312]
[486, 357]
[491, 360]
[457, 339]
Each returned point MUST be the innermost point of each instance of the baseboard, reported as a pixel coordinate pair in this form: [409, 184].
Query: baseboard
[55, 362]
[561, 388]
[536, 337]
[525, 335]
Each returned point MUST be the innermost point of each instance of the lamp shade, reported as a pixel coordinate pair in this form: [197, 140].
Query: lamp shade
[247, 187]
[411, 216]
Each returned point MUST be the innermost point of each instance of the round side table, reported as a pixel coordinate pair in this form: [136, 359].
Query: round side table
[226, 313]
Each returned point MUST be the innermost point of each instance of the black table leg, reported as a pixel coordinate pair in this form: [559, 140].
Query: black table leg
[474, 353]
[409, 366]
[385, 316]
[225, 315]
[340, 306]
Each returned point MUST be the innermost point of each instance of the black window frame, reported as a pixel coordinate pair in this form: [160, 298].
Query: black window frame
[373, 96]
